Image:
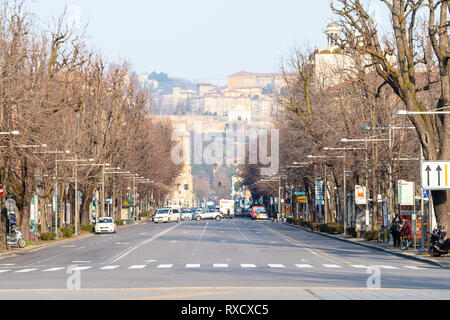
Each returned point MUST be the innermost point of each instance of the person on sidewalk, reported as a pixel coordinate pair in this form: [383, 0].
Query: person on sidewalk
[396, 229]
[406, 234]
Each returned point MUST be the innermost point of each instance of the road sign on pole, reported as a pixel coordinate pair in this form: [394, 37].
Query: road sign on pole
[436, 175]
[1, 191]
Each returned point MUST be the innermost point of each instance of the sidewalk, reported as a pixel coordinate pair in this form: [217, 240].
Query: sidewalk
[443, 262]
[45, 244]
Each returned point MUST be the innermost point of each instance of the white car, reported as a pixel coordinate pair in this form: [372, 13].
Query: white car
[167, 215]
[105, 225]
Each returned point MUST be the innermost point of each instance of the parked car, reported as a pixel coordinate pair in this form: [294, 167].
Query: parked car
[167, 215]
[207, 214]
[187, 215]
[105, 225]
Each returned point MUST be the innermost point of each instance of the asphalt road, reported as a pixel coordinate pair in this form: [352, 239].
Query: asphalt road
[228, 260]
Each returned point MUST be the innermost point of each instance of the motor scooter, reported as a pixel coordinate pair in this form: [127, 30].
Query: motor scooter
[15, 238]
[438, 245]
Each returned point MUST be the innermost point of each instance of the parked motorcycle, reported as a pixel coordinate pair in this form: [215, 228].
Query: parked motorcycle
[438, 245]
[15, 238]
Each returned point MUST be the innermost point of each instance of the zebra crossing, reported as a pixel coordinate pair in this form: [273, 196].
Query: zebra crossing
[218, 266]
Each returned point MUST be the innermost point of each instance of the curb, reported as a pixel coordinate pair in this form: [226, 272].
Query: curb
[407, 256]
[43, 246]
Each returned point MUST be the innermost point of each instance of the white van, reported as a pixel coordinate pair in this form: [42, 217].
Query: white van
[167, 215]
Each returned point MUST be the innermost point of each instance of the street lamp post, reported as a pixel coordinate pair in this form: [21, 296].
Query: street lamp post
[76, 162]
[366, 141]
[391, 129]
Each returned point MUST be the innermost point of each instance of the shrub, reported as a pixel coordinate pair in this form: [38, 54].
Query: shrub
[47, 236]
[88, 228]
[351, 231]
[67, 232]
[315, 226]
[120, 222]
[371, 235]
[334, 228]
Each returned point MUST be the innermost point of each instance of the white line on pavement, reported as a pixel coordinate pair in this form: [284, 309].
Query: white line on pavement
[388, 267]
[248, 265]
[109, 268]
[332, 266]
[137, 267]
[303, 266]
[165, 266]
[53, 269]
[220, 265]
[192, 266]
[4, 271]
[26, 270]
[277, 266]
[124, 254]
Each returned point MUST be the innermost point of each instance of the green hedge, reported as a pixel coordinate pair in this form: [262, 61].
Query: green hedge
[371, 235]
[330, 228]
[47, 236]
[88, 227]
[67, 232]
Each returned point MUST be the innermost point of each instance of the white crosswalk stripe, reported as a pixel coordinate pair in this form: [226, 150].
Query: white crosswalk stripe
[414, 268]
[304, 266]
[388, 267]
[277, 266]
[359, 267]
[220, 265]
[109, 268]
[53, 269]
[137, 267]
[79, 268]
[4, 271]
[26, 270]
[245, 266]
[193, 266]
[332, 266]
[165, 266]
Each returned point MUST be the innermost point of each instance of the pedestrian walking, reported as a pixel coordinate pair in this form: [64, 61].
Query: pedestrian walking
[406, 234]
[396, 229]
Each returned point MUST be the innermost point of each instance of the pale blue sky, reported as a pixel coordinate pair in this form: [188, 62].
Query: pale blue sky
[197, 39]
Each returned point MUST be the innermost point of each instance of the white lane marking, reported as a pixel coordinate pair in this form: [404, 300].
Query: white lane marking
[218, 265]
[248, 266]
[165, 266]
[276, 266]
[137, 267]
[414, 268]
[150, 261]
[359, 267]
[122, 255]
[192, 266]
[200, 239]
[67, 246]
[303, 266]
[173, 241]
[80, 249]
[53, 269]
[81, 261]
[4, 271]
[332, 266]
[26, 270]
[7, 265]
[243, 235]
[121, 243]
[388, 267]
[48, 259]
[109, 268]
[80, 268]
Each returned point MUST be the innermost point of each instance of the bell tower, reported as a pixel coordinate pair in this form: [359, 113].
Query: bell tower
[333, 32]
